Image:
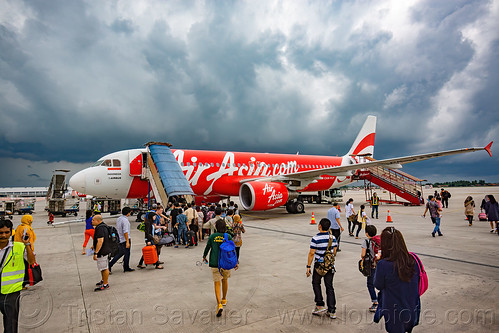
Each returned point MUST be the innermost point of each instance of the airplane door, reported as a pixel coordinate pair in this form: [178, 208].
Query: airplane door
[136, 162]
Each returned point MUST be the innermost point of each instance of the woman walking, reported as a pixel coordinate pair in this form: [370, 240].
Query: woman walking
[238, 229]
[469, 209]
[149, 238]
[492, 210]
[350, 214]
[397, 279]
[89, 229]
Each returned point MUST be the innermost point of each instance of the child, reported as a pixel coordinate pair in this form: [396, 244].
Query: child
[372, 242]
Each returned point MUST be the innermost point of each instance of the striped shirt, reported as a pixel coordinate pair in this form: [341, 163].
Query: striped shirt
[319, 244]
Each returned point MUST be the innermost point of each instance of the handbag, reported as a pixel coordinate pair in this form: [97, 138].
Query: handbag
[156, 239]
[32, 274]
[365, 264]
[327, 262]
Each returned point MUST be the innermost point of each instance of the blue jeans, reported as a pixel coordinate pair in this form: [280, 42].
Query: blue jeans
[182, 232]
[374, 208]
[437, 226]
[122, 251]
[370, 286]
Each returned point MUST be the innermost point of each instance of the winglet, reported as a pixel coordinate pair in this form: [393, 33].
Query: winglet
[487, 148]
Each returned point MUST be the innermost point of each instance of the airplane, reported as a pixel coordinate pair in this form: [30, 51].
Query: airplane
[261, 180]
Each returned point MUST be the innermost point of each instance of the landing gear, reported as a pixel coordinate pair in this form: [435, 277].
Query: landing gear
[139, 217]
[295, 207]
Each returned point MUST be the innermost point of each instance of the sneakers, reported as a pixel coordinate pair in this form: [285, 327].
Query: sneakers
[440, 234]
[223, 302]
[331, 315]
[433, 234]
[373, 307]
[102, 287]
[99, 283]
[220, 308]
[176, 246]
[318, 310]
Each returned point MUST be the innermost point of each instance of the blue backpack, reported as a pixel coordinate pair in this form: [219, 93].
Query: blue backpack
[227, 258]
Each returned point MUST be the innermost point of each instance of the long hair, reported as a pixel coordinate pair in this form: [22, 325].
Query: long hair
[393, 249]
[492, 199]
[88, 214]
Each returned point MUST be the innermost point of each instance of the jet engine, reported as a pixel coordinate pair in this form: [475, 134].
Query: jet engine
[264, 195]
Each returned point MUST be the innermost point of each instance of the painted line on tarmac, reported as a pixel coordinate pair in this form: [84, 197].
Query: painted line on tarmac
[354, 243]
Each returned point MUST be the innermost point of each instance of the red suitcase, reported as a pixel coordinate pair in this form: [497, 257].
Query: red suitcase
[150, 254]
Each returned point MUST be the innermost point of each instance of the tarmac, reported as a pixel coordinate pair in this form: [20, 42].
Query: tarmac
[270, 292]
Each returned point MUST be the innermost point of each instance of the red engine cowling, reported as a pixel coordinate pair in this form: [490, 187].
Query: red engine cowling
[263, 195]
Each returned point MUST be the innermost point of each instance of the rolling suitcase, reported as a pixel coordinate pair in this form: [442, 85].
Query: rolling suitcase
[191, 238]
[150, 254]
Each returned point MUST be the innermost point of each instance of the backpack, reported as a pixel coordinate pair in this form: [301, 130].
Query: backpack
[141, 226]
[376, 244]
[227, 258]
[423, 278]
[365, 264]
[328, 262]
[228, 228]
[114, 240]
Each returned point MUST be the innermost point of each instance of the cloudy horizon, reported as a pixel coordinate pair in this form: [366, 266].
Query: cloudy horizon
[80, 79]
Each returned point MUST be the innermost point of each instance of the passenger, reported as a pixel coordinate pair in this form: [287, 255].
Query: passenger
[224, 209]
[182, 229]
[318, 247]
[190, 213]
[159, 221]
[229, 218]
[372, 243]
[397, 279]
[24, 230]
[333, 215]
[374, 201]
[13, 266]
[361, 220]
[211, 223]
[219, 276]
[102, 249]
[149, 239]
[236, 209]
[173, 216]
[350, 214]
[492, 210]
[89, 229]
[469, 209]
[199, 222]
[445, 196]
[123, 228]
[238, 229]
[435, 210]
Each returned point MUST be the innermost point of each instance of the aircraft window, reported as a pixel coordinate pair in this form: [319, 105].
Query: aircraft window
[239, 164]
[116, 163]
[106, 163]
[194, 164]
[223, 164]
[188, 163]
[99, 162]
[182, 163]
[212, 165]
[218, 165]
[207, 164]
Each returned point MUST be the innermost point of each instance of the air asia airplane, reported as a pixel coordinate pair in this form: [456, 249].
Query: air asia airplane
[261, 180]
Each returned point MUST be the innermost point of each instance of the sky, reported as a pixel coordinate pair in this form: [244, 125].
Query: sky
[81, 79]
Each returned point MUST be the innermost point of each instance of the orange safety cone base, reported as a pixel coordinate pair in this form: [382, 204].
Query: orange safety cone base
[389, 218]
[313, 219]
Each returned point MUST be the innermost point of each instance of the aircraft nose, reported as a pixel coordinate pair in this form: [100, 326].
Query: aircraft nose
[77, 182]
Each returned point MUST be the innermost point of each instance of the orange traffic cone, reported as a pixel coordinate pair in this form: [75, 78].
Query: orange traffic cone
[389, 218]
[313, 219]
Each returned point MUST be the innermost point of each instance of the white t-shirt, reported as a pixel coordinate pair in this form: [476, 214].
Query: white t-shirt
[349, 209]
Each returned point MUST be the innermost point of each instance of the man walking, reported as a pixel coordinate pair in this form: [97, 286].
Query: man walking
[123, 227]
[318, 247]
[334, 217]
[220, 277]
[435, 210]
[374, 205]
[12, 274]
[102, 250]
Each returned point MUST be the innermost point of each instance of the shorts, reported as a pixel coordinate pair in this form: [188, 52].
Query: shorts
[102, 263]
[217, 277]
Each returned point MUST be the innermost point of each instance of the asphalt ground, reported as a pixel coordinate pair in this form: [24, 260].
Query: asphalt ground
[270, 292]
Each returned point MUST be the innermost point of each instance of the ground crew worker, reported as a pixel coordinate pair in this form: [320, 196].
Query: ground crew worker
[374, 205]
[12, 274]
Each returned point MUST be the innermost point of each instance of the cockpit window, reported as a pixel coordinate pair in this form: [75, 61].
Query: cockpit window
[116, 163]
[99, 162]
[106, 163]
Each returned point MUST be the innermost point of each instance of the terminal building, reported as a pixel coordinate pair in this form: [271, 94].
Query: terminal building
[23, 191]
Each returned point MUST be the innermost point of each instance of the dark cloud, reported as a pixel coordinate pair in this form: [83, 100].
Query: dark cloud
[79, 80]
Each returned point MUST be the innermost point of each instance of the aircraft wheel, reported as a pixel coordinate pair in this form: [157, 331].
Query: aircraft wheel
[139, 217]
[298, 207]
[289, 207]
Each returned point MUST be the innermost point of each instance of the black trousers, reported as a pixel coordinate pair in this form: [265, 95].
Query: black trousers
[328, 282]
[122, 251]
[337, 234]
[9, 306]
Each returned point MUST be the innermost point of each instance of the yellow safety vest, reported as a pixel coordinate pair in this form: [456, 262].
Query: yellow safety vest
[13, 270]
[374, 201]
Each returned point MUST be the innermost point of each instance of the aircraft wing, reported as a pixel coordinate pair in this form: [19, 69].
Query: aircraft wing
[349, 169]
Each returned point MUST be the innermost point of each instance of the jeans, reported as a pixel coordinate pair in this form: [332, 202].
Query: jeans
[316, 285]
[182, 232]
[122, 251]
[437, 226]
[370, 286]
[359, 226]
[9, 306]
[374, 208]
[337, 234]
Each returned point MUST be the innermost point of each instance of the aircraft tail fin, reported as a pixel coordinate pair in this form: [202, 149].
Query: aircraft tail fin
[364, 143]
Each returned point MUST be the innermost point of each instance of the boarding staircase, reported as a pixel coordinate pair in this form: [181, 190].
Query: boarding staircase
[164, 173]
[399, 183]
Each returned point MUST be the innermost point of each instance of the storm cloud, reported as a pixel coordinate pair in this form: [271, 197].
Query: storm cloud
[80, 79]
